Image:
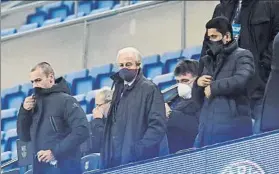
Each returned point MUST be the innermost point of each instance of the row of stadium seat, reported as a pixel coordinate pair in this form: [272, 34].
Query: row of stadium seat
[62, 11]
[83, 81]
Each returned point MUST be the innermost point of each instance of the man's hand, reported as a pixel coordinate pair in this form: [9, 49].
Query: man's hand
[29, 103]
[97, 113]
[204, 80]
[207, 91]
[168, 110]
[45, 156]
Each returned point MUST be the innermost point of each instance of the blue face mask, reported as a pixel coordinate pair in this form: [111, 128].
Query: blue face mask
[128, 74]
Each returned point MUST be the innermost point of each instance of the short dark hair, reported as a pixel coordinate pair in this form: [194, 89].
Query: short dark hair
[221, 24]
[186, 66]
[46, 67]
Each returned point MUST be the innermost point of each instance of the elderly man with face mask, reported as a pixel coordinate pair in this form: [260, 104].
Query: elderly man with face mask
[183, 112]
[136, 122]
[99, 113]
[221, 87]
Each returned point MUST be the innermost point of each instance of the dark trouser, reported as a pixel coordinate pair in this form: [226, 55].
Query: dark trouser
[256, 106]
[63, 167]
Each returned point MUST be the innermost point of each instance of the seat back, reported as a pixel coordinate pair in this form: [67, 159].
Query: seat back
[24, 153]
[90, 162]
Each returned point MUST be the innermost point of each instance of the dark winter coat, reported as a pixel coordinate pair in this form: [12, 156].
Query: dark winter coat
[57, 123]
[262, 26]
[270, 116]
[182, 125]
[226, 114]
[136, 123]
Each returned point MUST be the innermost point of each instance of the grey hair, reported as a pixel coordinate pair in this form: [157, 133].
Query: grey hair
[46, 68]
[106, 92]
[133, 50]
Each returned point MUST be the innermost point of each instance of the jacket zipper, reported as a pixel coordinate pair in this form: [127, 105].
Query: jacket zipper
[53, 124]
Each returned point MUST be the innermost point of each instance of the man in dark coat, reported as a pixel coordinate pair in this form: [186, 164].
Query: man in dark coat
[270, 116]
[255, 24]
[136, 122]
[54, 122]
[102, 101]
[184, 111]
[225, 113]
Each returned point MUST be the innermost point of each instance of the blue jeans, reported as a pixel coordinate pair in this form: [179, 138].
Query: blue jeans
[256, 111]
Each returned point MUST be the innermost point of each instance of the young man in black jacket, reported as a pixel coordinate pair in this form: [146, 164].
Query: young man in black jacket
[270, 116]
[54, 122]
[255, 24]
[221, 87]
[183, 112]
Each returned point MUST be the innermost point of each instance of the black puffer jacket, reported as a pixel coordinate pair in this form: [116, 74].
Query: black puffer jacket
[226, 114]
[262, 26]
[57, 123]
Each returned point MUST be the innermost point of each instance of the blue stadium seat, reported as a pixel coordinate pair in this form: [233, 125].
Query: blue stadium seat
[70, 5]
[28, 27]
[101, 74]
[170, 59]
[52, 21]
[10, 138]
[192, 53]
[90, 162]
[85, 6]
[12, 97]
[47, 7]
[100, 10]
[90, 100]
[8, 31]
[38, 17]
[164, 81]
[6, 156]
[89, 117]
[152, 66]
[135, 1]
[27, 89]
[3, 142]
[80, 14]
[80, 82]
[81, 99]
[59, 12]
[8, 119]
[107, 3]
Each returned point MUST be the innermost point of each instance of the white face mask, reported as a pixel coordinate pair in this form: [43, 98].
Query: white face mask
[184, 90]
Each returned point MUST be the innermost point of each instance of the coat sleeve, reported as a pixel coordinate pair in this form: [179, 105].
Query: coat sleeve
[244, 71]
[24, 122]
[266, 56]
[156, 123]
[77, 121]
[197, 91]
[204, 45]
[97, 129]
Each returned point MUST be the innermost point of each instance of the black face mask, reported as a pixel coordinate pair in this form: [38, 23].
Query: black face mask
[216, 47]
[128, 74]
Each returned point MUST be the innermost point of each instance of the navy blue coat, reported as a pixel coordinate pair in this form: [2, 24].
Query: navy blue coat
[136, 123]
[183, 125]
[270, 116]
[226, 114]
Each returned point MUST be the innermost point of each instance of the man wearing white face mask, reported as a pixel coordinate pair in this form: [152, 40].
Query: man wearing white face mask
[183, 112]
[102, 102]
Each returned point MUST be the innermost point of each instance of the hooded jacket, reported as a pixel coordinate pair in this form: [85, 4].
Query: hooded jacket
[57, 122]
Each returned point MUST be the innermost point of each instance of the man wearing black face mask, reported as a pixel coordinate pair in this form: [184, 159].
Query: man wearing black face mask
[54, 122]
[136, 121]
[221, 86]
[255, 24]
